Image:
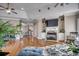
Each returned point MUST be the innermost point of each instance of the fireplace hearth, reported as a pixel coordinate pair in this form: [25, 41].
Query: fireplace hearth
[51, 36]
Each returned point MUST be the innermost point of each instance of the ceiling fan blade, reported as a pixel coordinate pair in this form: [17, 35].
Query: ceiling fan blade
[1, 9]
[14, 12]
[2, 6]
[56, 4]
[12, 9]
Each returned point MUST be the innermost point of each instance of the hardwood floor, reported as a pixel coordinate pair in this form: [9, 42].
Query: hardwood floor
[13, 47]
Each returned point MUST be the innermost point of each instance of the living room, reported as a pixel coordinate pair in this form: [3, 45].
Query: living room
[48, 28]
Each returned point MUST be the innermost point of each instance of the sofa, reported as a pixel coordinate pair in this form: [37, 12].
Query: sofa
[31, 51]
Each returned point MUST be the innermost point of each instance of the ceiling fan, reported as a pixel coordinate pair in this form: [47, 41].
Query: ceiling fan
[8, 9]
[61, 4]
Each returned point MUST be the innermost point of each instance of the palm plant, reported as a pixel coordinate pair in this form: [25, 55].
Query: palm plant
[7, 28]
[73, 48]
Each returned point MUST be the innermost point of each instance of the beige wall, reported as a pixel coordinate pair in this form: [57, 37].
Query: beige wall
[70, 25]
[78, 23]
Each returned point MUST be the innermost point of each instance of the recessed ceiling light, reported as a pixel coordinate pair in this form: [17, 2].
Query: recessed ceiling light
[48, 8]
[39, 10]
[22, 8]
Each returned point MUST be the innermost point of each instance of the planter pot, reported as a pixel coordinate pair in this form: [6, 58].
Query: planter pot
[61, 36]
[3, 53]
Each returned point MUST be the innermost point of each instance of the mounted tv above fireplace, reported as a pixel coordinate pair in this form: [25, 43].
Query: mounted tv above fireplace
[51, 22]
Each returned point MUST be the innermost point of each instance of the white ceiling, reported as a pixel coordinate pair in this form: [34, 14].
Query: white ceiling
[31, 10]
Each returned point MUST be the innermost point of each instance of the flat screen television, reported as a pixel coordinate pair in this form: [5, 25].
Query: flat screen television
[51, 22]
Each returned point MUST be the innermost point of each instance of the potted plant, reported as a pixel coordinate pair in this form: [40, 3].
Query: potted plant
[6, 28]
[73, 48]
[3, 30]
